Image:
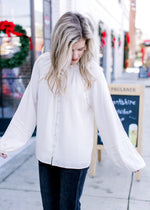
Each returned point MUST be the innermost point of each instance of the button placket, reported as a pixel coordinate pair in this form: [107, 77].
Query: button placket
[56, 130]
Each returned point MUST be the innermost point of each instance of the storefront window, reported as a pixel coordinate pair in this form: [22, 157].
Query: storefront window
[13, 81]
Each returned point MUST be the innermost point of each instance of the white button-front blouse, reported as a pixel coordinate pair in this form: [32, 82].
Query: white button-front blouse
[65, 123]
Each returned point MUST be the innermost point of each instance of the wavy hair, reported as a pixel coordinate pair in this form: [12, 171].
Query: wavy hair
[69, 29]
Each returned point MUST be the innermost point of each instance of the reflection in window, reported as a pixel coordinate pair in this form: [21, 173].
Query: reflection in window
[16, 11]
[39, 43]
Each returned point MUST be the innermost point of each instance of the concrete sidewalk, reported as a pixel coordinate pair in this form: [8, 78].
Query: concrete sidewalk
[111, 189]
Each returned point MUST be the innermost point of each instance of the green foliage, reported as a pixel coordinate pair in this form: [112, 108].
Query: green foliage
[126, 51]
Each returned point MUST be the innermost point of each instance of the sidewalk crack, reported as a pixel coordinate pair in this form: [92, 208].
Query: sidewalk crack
[129, 195]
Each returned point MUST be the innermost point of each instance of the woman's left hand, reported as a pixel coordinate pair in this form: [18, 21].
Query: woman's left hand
[136, 171]
[3, 155]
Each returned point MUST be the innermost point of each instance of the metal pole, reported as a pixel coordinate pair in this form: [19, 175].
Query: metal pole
[50, 16]
[1, 86]
[47, 23]
[33, 57]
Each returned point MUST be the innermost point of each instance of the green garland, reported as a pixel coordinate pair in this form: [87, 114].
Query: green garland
[126, 49]
[19, 57]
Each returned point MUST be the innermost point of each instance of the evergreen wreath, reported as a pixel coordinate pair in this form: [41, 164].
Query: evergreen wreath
[26, 45]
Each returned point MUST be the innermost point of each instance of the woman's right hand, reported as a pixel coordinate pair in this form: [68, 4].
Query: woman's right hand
[3, 155]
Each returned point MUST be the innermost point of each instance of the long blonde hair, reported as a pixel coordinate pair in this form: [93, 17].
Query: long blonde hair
[69, 29]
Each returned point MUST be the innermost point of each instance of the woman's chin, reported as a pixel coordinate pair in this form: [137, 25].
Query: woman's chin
[74, 62]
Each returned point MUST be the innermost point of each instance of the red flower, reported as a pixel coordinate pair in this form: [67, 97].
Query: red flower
[114, 39]
[128, 38]
[126, 64]
[104, 34]
[103, 42]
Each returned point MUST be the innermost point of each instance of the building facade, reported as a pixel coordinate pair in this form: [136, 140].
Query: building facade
[112, 17]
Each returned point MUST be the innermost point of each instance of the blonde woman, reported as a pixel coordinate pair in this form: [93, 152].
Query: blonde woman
[66, 91]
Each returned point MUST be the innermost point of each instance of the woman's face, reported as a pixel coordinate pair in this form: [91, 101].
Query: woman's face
[78, 49]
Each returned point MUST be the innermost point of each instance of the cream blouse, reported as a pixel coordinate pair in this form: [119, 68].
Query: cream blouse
[64, 123]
